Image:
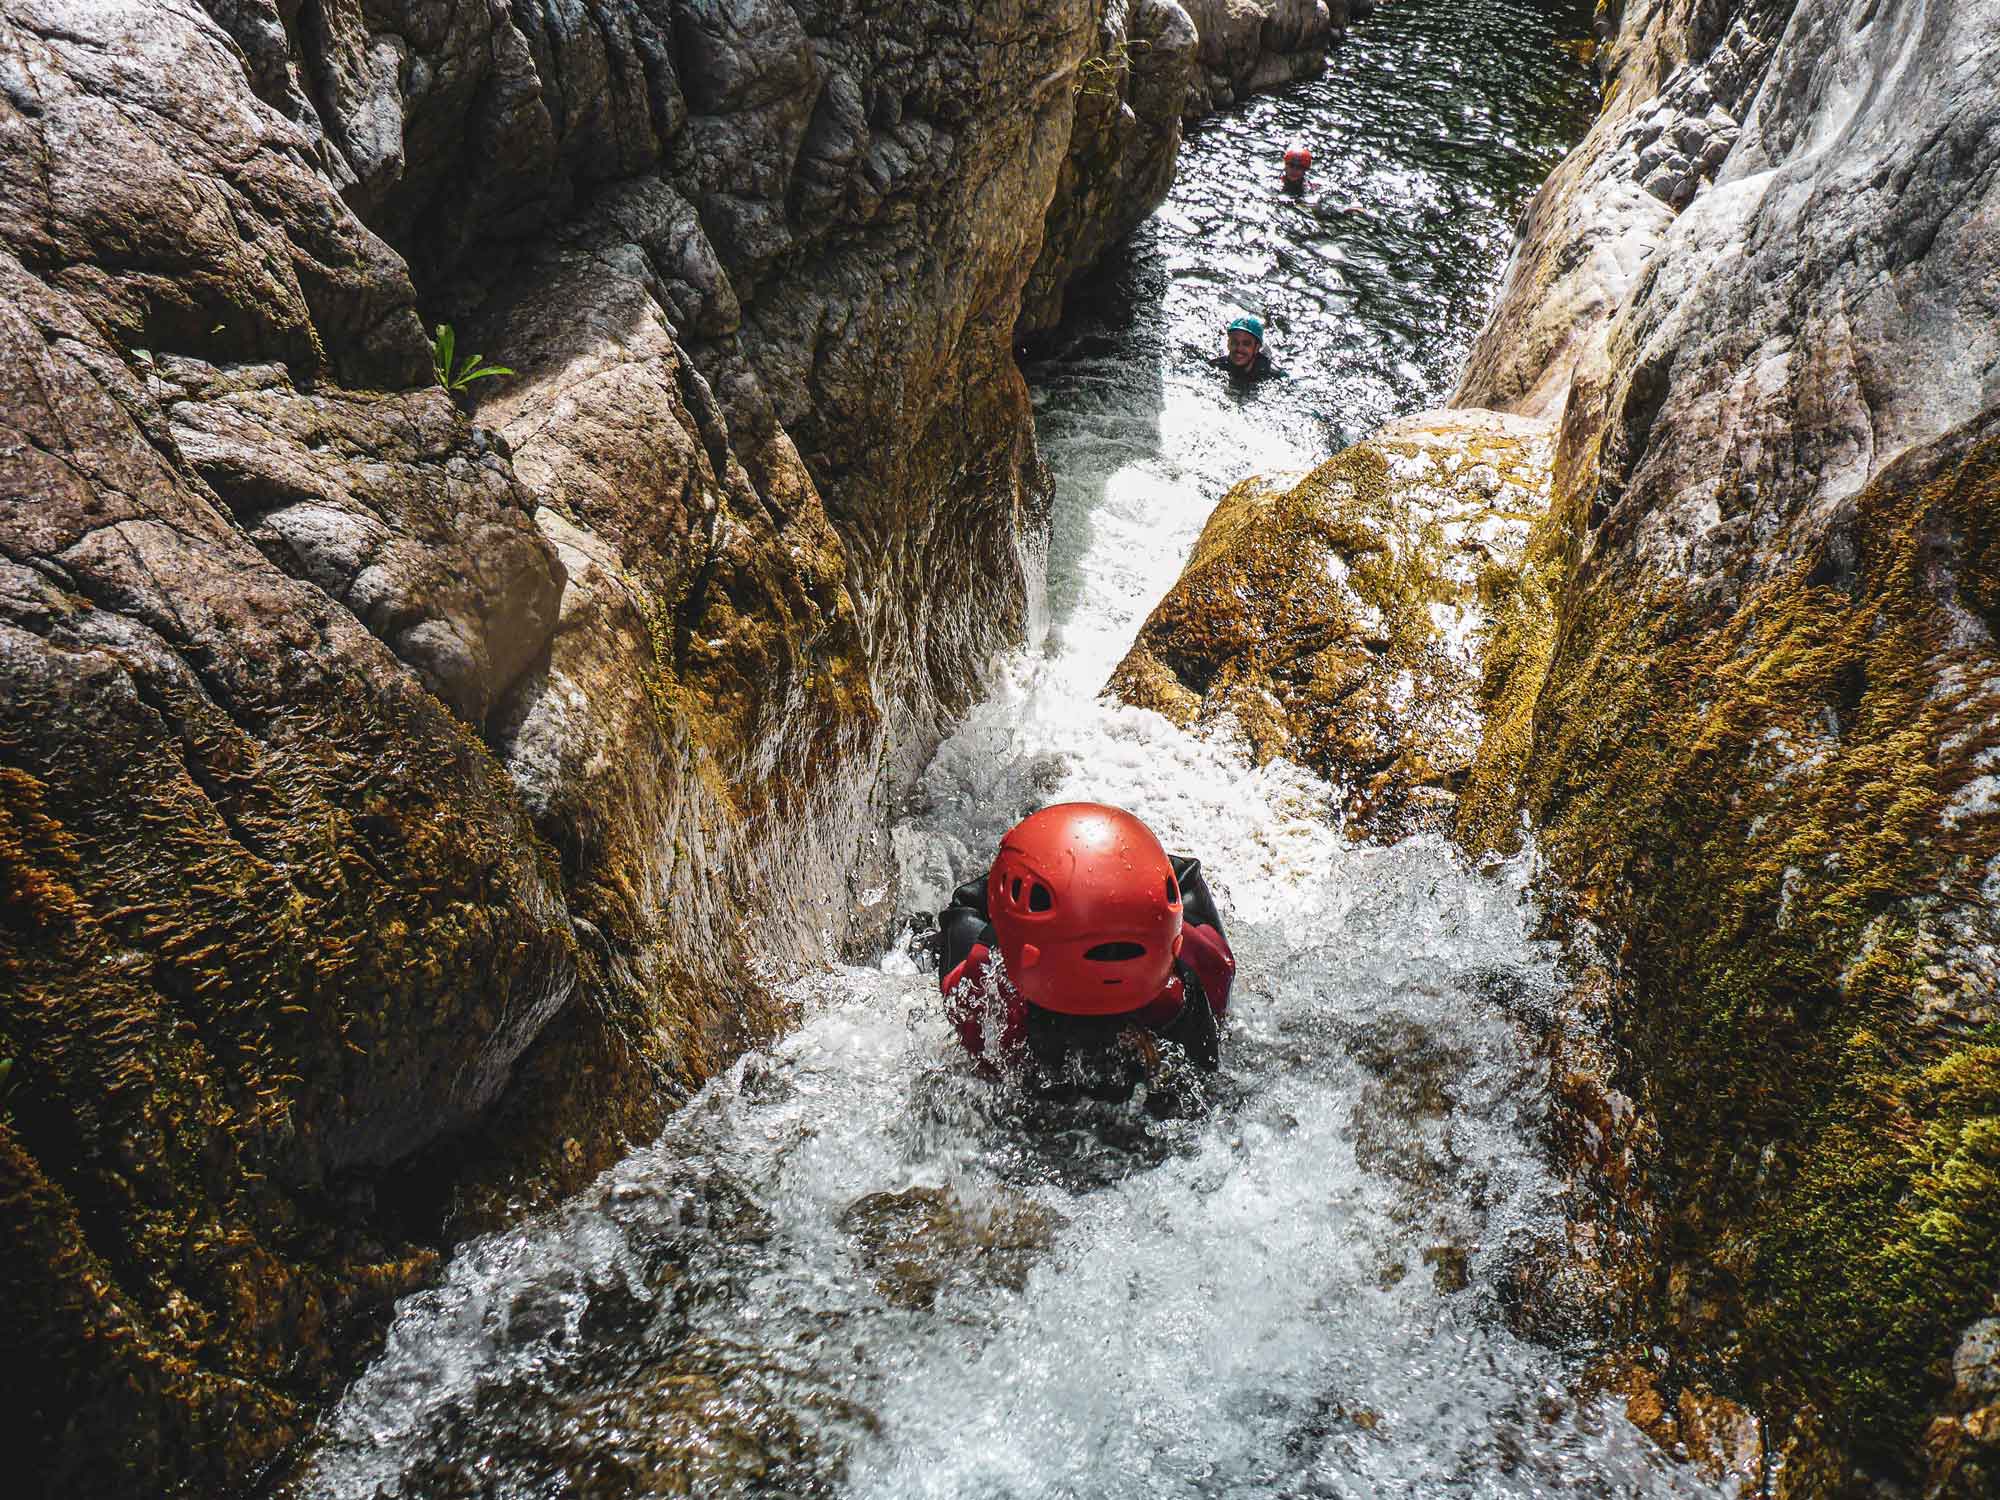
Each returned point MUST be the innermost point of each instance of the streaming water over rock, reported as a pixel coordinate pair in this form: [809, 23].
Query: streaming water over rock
[850, 1268]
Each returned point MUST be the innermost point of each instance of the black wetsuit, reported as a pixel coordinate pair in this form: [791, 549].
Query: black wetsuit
[1261, 368]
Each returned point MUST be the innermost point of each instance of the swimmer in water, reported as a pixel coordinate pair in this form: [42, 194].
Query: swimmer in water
[1113, 970]
[1298, 162]
[1246, 359]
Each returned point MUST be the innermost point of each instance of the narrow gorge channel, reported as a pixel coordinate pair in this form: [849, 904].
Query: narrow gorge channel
[849, 1268]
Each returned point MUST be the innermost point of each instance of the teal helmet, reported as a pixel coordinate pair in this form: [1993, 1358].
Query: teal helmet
[1250, 324]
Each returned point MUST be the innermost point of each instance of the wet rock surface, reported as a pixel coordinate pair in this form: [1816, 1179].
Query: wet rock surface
[1759, 746]
[1130, 94]
[1678, 81]
[921, 1240]
[255, 871]
[1248, 45]
[1343, 623]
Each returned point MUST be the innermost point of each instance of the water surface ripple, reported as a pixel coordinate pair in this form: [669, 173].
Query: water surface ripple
[1299, 1294]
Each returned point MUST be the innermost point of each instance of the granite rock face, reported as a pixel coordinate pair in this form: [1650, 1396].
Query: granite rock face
[1156, 64]
[1251, 45]
[274, 915]
[1760, 742]
[396, 782]
[1345, 623]
[1130, 94]
[1678, 79]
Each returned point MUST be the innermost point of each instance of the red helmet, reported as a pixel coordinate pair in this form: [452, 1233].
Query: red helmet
[1087, 911]
[1298, 155]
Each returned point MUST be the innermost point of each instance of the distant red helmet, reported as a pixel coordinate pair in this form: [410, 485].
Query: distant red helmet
[1298, 156]
[1087, 911]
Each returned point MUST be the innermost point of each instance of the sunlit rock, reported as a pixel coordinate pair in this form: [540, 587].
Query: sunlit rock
[1251, 45]
[1598, 225]
[1757, 732]
[1344, 623]
[1130, 93]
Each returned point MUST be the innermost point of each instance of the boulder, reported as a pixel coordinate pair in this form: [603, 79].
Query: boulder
[1248, 46]
[1345, 623]
[274, 917]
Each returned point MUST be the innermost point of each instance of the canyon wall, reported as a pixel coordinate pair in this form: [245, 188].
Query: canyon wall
[1758, 730]
[1249, 45]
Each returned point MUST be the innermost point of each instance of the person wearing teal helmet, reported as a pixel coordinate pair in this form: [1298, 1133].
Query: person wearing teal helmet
[1246, 359]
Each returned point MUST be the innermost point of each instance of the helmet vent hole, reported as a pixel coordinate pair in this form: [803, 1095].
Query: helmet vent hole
[1039, 898]
[1111, 953]
[1014, 891]
[1173, 891]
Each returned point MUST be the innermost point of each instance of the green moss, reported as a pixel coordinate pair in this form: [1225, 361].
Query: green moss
[1520, 637]
[1889, 1241]
[1754, 801]
[224, 957]
[1341, 668]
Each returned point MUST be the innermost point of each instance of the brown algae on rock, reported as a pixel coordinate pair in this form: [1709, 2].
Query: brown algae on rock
[922, 1239]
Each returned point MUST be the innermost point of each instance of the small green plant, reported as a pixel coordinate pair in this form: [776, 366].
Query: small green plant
[1099, 77]
[457, 376]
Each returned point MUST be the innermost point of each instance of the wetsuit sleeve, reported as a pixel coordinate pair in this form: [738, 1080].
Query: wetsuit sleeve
[961, 926]
[1198, 1026]
[1204, 946]
[1197, 904]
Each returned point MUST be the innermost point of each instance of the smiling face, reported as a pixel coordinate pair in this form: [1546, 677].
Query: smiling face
[1242, 348]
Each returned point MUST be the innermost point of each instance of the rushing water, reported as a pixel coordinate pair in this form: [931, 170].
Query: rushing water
[1294, 1295]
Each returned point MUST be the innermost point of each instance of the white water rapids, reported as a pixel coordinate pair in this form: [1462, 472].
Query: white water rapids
[1296, 1295]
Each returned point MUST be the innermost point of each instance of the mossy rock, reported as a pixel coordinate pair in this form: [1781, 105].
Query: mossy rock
[1779, 799]
[1345, 623]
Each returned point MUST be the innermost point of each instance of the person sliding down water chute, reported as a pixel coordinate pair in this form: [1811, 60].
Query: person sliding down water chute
[1113, 969]
[1246, 359]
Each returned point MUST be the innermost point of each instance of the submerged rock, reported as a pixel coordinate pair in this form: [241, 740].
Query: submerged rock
[1344, 623]
[1718, 1438]
[921, 1240]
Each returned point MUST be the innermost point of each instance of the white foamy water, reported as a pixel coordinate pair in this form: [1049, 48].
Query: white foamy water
[1297, 1294]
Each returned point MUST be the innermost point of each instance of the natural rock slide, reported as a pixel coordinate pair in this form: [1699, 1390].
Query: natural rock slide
[1743, 685]
[394, 783]
[390, 793]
